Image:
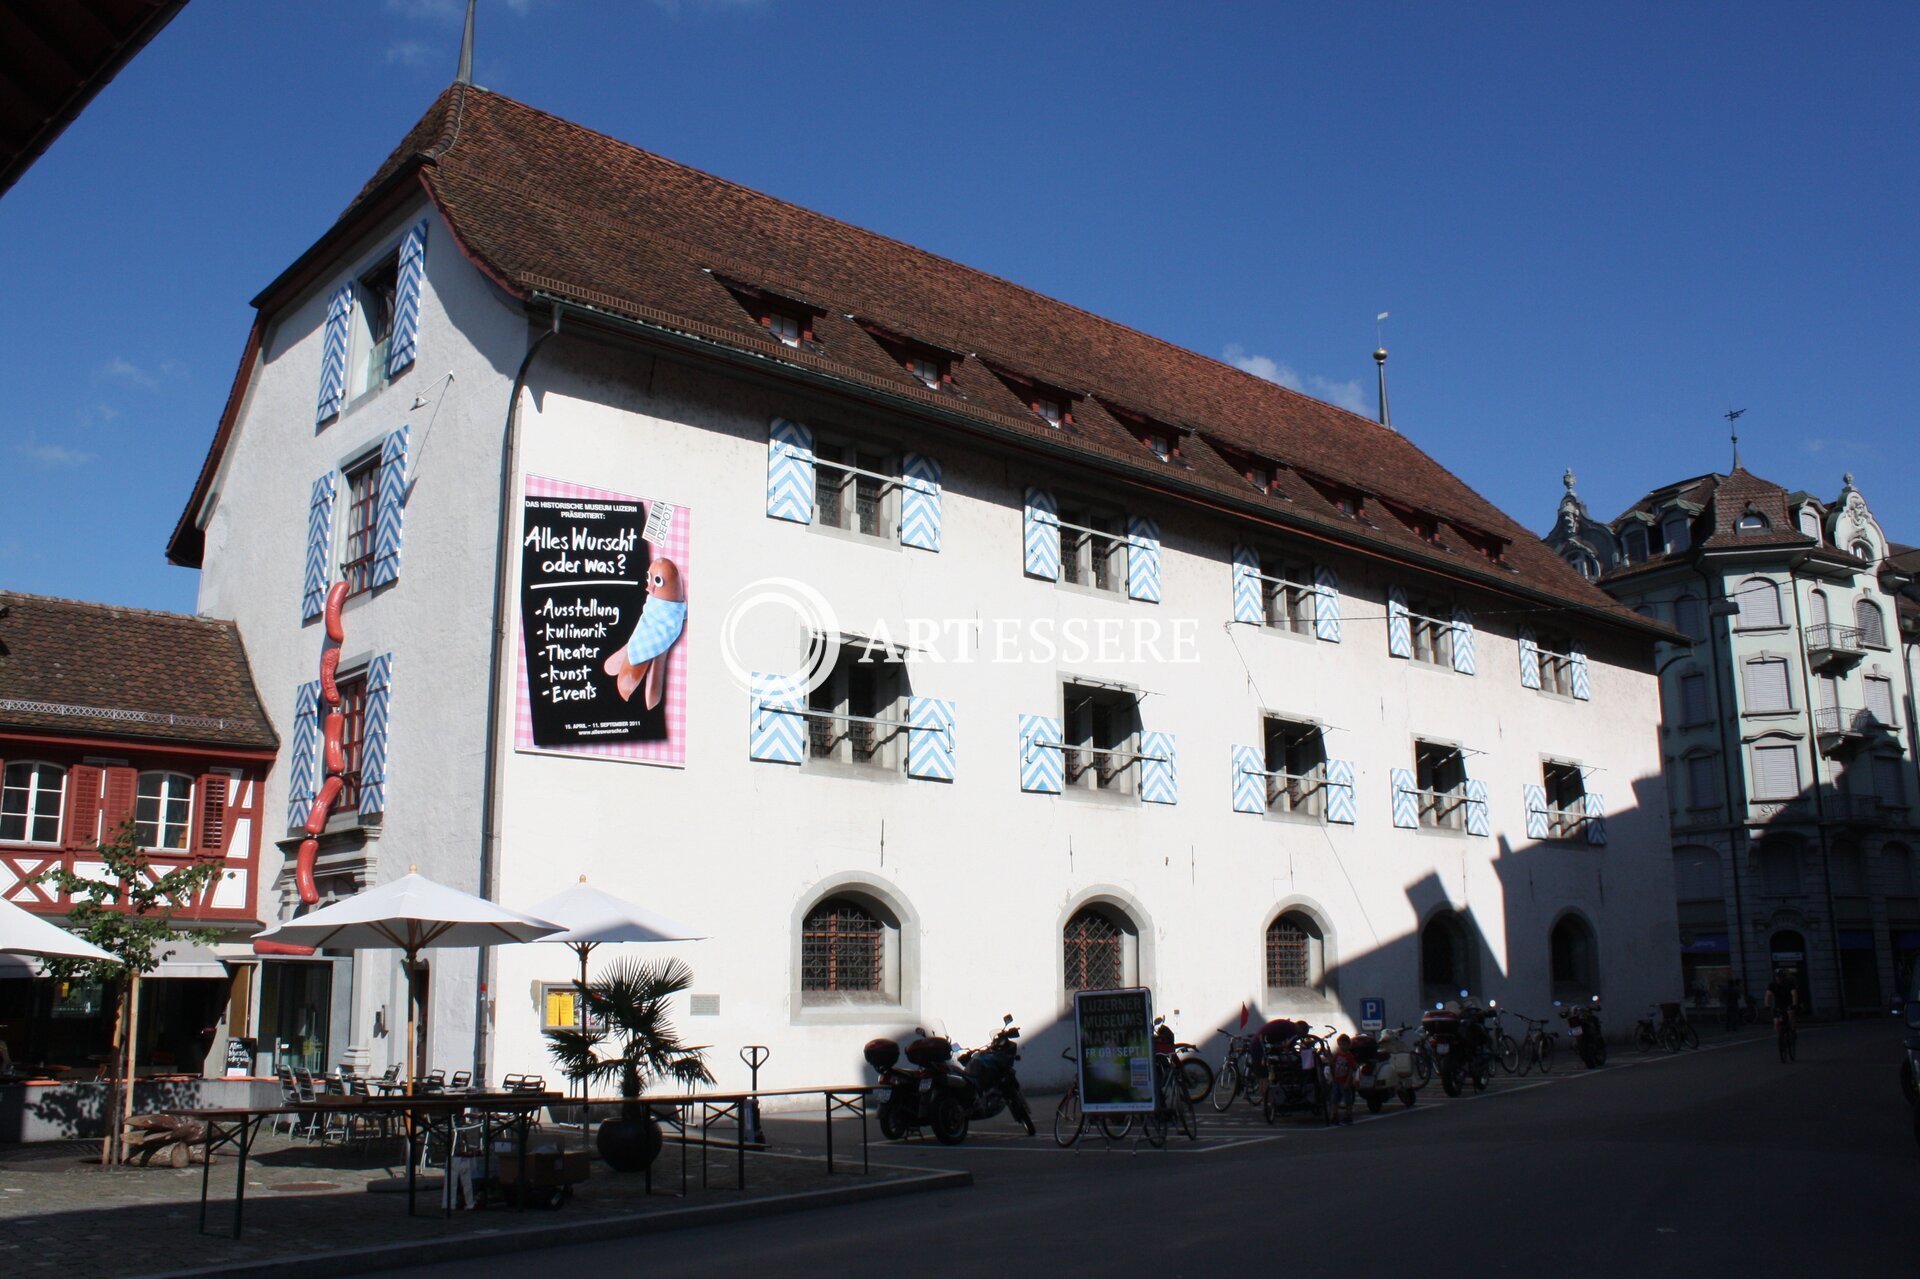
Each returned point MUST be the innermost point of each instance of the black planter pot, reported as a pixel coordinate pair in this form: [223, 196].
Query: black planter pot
[630, 1143]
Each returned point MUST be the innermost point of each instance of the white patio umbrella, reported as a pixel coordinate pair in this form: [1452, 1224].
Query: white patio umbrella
[410, 914]
[24, 933]
[589, 917]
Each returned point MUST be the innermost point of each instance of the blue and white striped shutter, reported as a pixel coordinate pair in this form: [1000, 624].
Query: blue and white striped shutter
[1406, 801]
[1246, 585]
[313, 590]
[920, 501]
[1399, 633]
[390, 515]
[304, 760]
[1477, 820]
[1249, 779]
[1326, 604]
[1463, 641]
[1143, 559]
[1340, 805]
[1529, 659]
[1596, 818]
[1582, 682]
[1040, 530]
[1042, 765]
[373, 758]
[404, 343]
[930, 739]
[1159, 781]
[790, 472]
[779, 730]
[1535, 799]
[333, 354]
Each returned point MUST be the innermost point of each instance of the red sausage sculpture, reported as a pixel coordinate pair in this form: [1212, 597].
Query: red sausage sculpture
[323, 804]
[329, 686]
[333, 738]
[303, 871]
[335, 598]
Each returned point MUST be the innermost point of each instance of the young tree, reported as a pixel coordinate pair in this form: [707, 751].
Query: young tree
[127, 912]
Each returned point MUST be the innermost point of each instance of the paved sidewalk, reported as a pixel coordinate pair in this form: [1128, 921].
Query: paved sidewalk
[309, 1210]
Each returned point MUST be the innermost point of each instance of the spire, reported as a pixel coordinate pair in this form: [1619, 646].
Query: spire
[465, 74]
[1380, 358]
[1733, 419]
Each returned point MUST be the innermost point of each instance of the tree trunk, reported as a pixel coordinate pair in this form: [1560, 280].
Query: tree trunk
[125, 1115]
[109, 1113]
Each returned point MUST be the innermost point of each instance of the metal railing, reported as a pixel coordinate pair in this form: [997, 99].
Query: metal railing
[1844, 721]
[1831, 637]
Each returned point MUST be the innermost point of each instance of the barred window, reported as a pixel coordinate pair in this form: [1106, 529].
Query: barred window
[363, 502]
[1294, 959]
[843, 948]
[1095, 946]
[353, 740]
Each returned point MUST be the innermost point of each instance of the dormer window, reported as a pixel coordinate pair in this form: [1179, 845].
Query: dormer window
[786, 326]
[1261, 477]
[1634, 545]
[1050, 409]
[1753, 522]
[1673, 531]
[1160, 444]
[1421, 525]
[1347, 501]
[931, 364]
[928, 370]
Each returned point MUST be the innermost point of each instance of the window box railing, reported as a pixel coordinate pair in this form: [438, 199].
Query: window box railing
[1446, 809]
[1565, 823]
[1301, 793]
[1830, 642]
[1845, 721]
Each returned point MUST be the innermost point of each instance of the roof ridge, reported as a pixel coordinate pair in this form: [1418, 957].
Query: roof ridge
[882, 236]
[135, 609]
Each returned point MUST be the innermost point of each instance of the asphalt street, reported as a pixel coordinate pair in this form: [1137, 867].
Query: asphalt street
[1720, 1161]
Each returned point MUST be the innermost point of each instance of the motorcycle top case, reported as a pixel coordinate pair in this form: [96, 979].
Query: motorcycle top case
[931, 1051]
[1282, 1030]
[882, 1054]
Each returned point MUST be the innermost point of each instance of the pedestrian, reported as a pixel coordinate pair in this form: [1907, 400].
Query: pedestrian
[1345, 1065]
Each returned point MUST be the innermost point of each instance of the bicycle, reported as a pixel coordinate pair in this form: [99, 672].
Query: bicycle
[1237, 1071]
[1172, 1106]
[1506, 1050]
[1070, 1116]
[1537, 1046]
[1788, 1036]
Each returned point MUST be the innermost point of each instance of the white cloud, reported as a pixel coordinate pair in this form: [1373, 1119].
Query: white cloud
[51, 454]
[1348, 394]
[121, 369]
[409, 53]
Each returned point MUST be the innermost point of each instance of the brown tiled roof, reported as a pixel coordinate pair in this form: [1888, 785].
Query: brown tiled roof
[98, 670]
[1725, 499]
[548, 207]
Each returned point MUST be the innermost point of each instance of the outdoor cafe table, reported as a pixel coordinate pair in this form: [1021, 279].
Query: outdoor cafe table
[730, 1107]
[426, 1113]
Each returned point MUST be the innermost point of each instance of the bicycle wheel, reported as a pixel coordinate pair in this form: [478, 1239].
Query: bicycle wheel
[1423, 1065]
[1508, 1053]
[1670, 1038]
[1644, 1039]
[1529, 1053]
[1226, 1085]
[1116, 1127]
[1184, 1117]
[1196, 1078]
[1153, 1126]
[1545, 1050]
[1069, 1119]
[1688, 1035]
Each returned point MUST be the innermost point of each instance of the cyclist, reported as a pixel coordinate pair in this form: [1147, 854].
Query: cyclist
[1783, 996]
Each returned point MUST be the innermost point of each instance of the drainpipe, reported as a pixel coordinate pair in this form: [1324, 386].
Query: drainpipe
[1819, 795]
[502, 612]
[1736, 793]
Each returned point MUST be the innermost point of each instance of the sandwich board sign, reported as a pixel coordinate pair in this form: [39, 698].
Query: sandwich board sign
[1113, 1032]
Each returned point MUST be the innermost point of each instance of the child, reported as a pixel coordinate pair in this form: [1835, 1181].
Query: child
[1344, 1067]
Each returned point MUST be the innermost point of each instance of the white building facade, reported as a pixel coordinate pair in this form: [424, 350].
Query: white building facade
[1148, 672]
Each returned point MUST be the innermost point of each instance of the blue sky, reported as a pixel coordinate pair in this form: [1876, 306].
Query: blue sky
[1596, 227]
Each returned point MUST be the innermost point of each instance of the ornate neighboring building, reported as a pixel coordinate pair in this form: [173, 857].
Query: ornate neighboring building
[1787, 738]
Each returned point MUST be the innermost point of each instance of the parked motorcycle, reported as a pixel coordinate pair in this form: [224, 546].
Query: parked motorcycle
[1583, 1027]
[1461, 1044]
[1386, 1070]
[928, 1093]
[1296, 1066]
[990, 1070]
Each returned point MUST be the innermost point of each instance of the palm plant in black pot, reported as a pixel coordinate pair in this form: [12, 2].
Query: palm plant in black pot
[627, 1017]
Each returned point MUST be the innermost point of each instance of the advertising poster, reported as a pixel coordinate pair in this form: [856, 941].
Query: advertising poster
[603, 615]
[1114, 1030]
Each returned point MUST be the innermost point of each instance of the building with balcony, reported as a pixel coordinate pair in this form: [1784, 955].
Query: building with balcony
[1016, 651]
[1788, 726]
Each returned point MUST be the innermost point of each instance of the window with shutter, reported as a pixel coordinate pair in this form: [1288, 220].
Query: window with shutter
[1693, 699]
[1880, 699]
[1703, 781]
[1776, 771]
[1759, 603]
[211, 834]
[1767, 688]
[1887, 780]
[30, 803]
[1872, 624]
[1690, 616]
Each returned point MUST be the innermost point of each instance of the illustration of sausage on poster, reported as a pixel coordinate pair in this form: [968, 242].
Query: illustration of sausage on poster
[603, 609]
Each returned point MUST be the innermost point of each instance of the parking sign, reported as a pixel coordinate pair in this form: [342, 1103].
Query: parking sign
[1373, 1014]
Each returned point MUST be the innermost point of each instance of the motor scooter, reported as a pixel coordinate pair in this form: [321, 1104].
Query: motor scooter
[927, 1093]
[1583, 1027]
[1386, 1070]
[1461, 1045]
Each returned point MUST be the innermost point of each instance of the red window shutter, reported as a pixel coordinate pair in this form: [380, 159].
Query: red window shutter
[116, 804]
[83, 805]
[210, 828]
